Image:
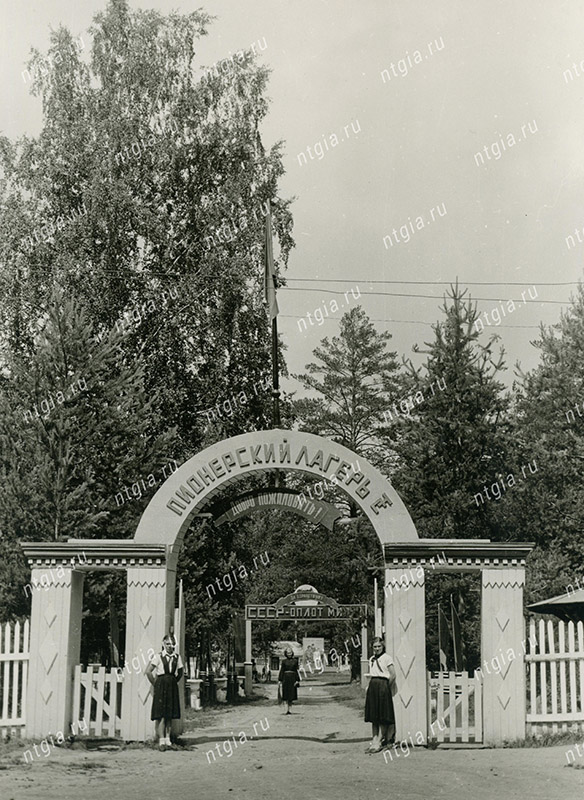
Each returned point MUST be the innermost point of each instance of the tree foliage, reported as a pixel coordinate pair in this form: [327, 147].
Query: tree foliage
[549, 427]
[143, 199]
[75, 426]
[354, 377]
[144, 179]
[455, 436]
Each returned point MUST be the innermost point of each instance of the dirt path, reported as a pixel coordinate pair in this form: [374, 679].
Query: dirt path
[317, 751]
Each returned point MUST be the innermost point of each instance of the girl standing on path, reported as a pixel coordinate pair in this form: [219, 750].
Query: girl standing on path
[378, 701]
[164, 672]
[289, 679]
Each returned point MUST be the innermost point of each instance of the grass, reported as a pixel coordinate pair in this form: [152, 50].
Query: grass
[547, 740]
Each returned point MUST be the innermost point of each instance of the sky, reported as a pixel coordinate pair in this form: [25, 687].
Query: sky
[425, 142]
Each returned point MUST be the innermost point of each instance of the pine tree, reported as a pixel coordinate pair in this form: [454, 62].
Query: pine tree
[549, 430]
[354, 378]
[75, 427]
[451, 432]
[454, 437]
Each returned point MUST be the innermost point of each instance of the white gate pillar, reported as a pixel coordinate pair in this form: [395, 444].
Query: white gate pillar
[502, 654]
[150, 610]
[405, 641]
[55, 638]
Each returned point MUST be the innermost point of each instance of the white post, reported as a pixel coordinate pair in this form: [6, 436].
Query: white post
[502, 655]
[150, 609]
[378, 617]
[55, 639]
[405, 640]
[364, 656]
[248, 666]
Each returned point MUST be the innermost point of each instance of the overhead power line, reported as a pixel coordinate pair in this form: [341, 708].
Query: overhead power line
[436, 283]
[415, 322]
[423, 296]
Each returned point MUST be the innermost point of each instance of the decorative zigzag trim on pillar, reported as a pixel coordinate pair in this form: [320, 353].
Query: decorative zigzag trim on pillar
[87, 554]
[500, 583]
[54, 580]
[406, 579]
[149, 583]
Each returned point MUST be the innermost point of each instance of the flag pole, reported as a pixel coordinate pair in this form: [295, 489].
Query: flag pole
[275, 376]
[271, 299]
[440, 651]
[459, 654]
[455, 644]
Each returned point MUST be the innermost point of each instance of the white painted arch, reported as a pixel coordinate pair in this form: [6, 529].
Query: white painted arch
[186, 492]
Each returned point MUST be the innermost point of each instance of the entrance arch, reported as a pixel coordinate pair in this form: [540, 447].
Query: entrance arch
[185, 493]
[192, 485]
[150, 563]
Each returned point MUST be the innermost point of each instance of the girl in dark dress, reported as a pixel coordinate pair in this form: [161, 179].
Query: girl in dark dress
[378, 701]
[164, 673]
[289, 679]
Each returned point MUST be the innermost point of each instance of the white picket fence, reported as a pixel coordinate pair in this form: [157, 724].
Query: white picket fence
[97, 700]
[14, 655]
[555, 677]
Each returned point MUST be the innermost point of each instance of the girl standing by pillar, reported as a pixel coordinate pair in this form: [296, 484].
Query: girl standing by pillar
[378, 701]
[164, 673]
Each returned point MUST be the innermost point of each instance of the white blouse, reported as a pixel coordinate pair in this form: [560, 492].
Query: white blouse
[157, 661]
[379, 667]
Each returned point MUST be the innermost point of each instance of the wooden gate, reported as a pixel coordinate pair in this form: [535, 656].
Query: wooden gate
[97, 701]
[455, 707]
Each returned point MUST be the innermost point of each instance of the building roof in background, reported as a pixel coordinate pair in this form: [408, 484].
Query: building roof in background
[569, 606]
[279, 647]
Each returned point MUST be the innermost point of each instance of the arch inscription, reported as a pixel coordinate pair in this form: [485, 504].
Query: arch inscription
[185, 493]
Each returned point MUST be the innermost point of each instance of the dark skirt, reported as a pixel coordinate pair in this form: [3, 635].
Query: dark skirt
[289, 692]
[165, 704]
[379, 703]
